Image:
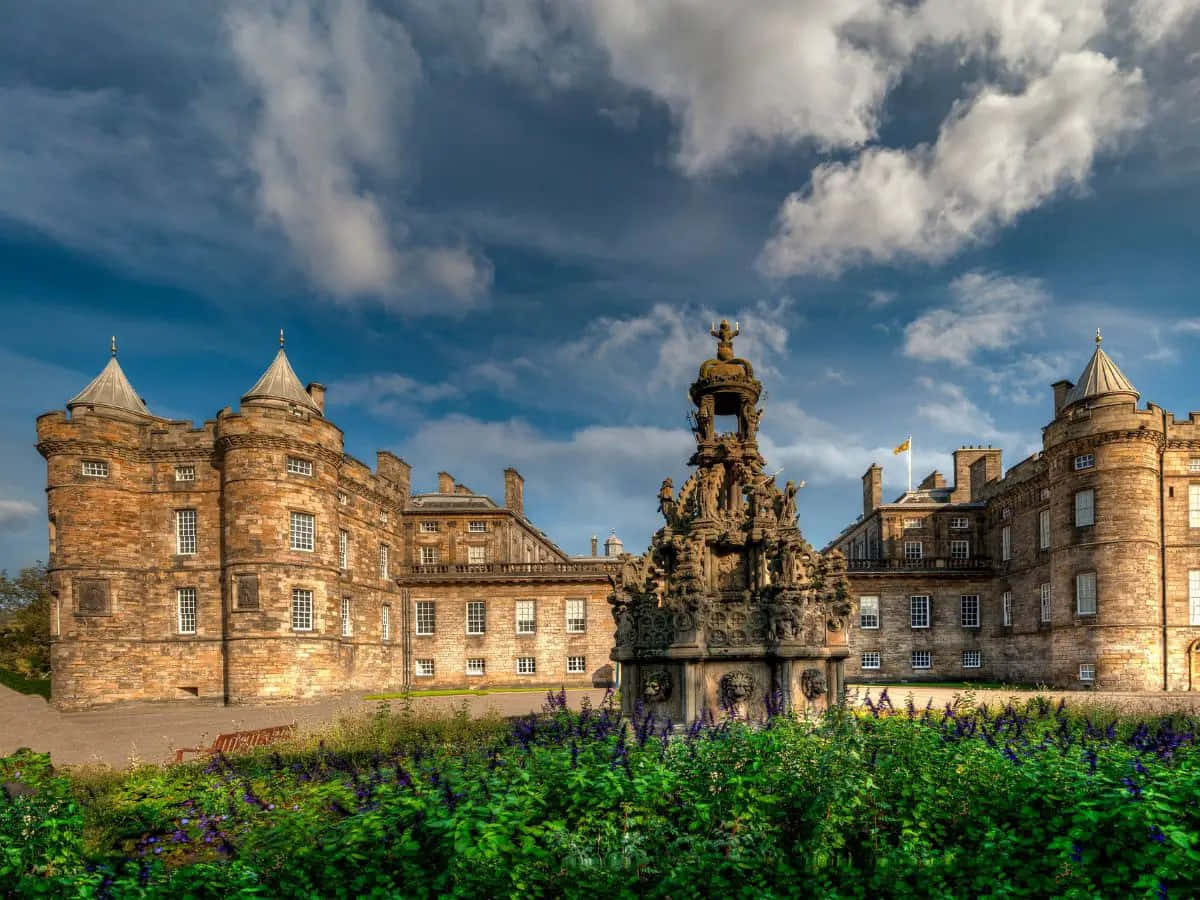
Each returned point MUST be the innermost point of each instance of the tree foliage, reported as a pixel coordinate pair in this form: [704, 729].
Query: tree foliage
[25, 621]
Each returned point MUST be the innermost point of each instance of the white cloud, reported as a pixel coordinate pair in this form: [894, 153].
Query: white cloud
[836, 376]
[988, 312]
[880, 299]
[995, 158]
[335, 84]
[1157, 20]
[16, 514]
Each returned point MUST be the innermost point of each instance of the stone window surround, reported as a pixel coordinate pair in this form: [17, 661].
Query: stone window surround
[347, 617]
[343, 549]
[871, 659]
[477, 526]
[297, 465]
[921, 659]
[1005, 543]
[294, 531]
[186, 612]
[187, 528]
[94, 468]
[960, 550]
[865, 615]
[525, 624]
[1044, 528]
[960, 523]
[423, 668]
[430, 526]
[1006, 608]
[1095, 591]
[1085, 461]
[576, 624]
[1193, 511]
[476, 665]
[303, 610]
[1091, 503]
[476, 617]
[428, 554]
[968, 610]
[576, 665]
[1087, 673]
[477, 550]
[914, 550]
[920, 614]
[526, 665]
[185, 473]
[383, 560]
[972, 659]
[385, 622]
[1045, 601]
[424, 617]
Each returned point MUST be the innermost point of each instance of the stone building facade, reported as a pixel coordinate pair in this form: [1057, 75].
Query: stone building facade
[1079, 567]
[251, 557]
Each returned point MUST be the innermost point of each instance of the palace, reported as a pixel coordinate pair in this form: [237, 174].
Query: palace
[1079, 567]
[252, 558]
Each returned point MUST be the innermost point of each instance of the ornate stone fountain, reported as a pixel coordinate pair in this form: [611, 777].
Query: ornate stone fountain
[730, 605]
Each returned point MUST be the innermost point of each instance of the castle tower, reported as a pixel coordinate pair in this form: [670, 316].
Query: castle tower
[730, 607]
[1104, 469]
[279, 459]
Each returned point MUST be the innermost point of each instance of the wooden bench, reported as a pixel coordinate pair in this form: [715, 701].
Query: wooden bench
[241, 740]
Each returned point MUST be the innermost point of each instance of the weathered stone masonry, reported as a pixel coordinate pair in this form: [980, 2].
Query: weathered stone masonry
[118, 479]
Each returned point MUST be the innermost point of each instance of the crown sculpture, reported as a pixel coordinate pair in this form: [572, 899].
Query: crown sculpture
[730, 607]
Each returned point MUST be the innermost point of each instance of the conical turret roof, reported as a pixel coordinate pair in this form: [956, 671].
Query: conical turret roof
[1099, 377]
[279, 382]
[111, 390]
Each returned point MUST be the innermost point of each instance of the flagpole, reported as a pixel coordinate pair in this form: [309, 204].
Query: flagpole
[910, 463]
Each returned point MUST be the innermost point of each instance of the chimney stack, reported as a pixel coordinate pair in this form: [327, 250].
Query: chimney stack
[595, 545]
[445, 483]
[1060, 389]
[316, 390]
[514, 491]
[872, 489]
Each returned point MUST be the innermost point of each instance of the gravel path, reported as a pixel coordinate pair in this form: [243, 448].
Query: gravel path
[149, 732]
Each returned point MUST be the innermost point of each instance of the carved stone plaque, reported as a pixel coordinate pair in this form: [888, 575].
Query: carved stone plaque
[247, 591]
[92, 597]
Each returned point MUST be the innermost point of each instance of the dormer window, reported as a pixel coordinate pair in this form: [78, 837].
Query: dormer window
[298, 466]
[95, 468]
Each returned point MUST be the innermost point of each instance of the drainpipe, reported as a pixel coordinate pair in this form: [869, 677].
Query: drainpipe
[1162, 544]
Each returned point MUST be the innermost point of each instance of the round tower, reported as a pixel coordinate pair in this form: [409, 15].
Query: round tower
[98, 567]
[280, 458]
[1103, 459]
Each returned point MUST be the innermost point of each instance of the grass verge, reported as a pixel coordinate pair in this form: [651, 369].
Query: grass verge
[23, 685]
[467, 692]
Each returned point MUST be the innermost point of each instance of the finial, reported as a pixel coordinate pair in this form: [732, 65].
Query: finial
[114, 346]
[280, 338]
[1098, 338]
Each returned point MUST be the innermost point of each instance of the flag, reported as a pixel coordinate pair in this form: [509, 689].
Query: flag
[902, 447]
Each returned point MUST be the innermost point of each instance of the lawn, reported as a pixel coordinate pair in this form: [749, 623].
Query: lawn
[23, 685]
[461, 692]
[1021, 800]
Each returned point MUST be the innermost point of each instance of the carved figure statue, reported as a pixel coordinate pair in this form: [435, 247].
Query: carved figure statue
[750, 416]
[710, 493]
[782, 622]
[787, 517]
[704, 419]
[666, 499]
[725, 336]
[812, 683]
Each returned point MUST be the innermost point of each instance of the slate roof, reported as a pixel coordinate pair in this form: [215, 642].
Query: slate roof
[279, 382]
[1100, 376]
[111, 389]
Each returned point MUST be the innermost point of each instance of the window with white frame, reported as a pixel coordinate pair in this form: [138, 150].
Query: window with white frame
[576, 665]
[383, 517]
[918, 611]
[343, 498]
[969, 610]
[426, 616]
[1044, 529]
[476, 556]
[1085, 594]
[385, 622]
[1085, 508]
[1044, 597]
[960, 523]
[1084, 461]
[1087, 672]
[922, 659]
[913, 550]
[95, 468]
[1194, 506]
[1045, 493]
[1194, 464]
[185, 602]
[1194, 596]
[185, 531]
[476, 665]
[871, 659]
[476, 617]
[526, 665]
[526, 617]
[1006, 607]
[1006, 513]
[424, 668]
[383, 560]
[303, 531]
[576, 615]
[298, 466]
[344, 549]
[302, 609]
[913, 524]
[972, 659]
[1006, 543]
[347, 619]
[185, 473]
[429, 526]
[960, 551]
[868, 612]
[477, 526]
[429, 556]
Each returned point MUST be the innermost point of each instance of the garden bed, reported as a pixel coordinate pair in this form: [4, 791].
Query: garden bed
[1021, 801]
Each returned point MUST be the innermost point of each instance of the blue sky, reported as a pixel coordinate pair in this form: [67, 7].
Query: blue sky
[498, 229]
